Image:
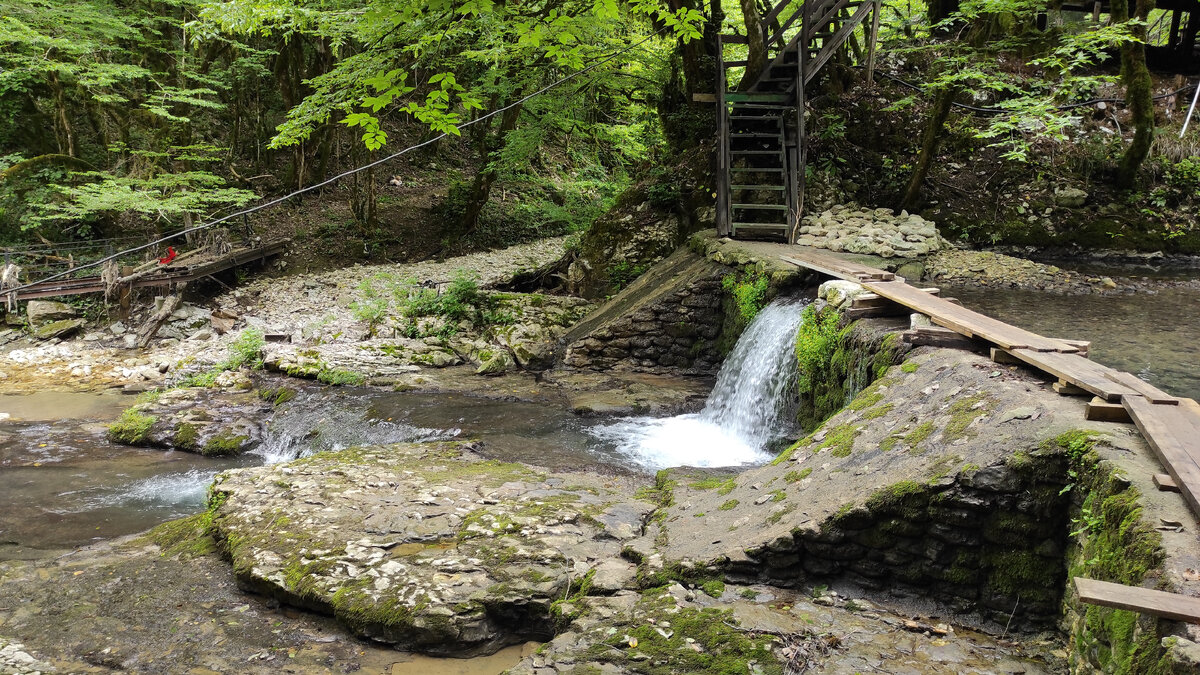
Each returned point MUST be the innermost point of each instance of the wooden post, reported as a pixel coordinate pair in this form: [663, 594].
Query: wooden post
[871, 45]
[801, 136]
[724, 224]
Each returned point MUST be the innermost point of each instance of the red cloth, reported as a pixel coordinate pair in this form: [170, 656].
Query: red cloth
[170, 256]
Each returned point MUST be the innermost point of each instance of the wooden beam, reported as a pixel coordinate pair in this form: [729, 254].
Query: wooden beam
[936, 336]
[1001, 356]
[1172, 433]
[704, 98]
[1099, 410]
[1141, 600]
[1067, 389]
[1165, 483]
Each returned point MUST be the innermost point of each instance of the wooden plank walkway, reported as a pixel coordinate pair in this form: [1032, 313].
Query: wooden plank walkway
[167, 276]
[1170, 425]
[1145, 600]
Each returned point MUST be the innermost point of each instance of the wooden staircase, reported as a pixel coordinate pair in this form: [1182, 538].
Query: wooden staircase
[762, 151]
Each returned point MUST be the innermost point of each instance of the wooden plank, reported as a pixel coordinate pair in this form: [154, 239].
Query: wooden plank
[1099, 410]
[1152, 393]
[1170, 432]
[1165, 483]
[699, 97]
[1076, 370]
[938, 337]
[1141, 600]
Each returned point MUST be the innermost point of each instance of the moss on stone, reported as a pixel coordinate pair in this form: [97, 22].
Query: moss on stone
[917, 436]
[963, 412]
[185, 436]
[132, 428]
[714, 588]
[186, 538]
[728, 505]
[909, 366]
[878, 411]
[795, 476]
[723, 649]
[840, 440]
[224, 443]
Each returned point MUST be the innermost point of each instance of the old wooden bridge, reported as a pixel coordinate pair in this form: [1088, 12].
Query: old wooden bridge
[1170, 425]
[193, 265]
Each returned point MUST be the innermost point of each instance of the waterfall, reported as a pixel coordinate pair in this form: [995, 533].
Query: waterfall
[749, 407]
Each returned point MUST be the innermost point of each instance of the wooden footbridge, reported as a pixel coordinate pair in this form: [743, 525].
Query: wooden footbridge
[1170, 425]
[190, 266]
[762, 146]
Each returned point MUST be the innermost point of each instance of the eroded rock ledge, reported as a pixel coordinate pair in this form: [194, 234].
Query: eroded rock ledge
[426, 545]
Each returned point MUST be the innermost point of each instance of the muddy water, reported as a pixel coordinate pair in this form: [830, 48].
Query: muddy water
[1150, 335]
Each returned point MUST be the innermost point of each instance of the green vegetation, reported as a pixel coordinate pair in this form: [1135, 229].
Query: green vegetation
[795, 476]
[132, 428]
[244, 351]
[728, 505]
[749, 292]
[383, 297]
[723, 648]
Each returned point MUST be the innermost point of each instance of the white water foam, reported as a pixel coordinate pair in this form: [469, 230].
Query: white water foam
[747, 410]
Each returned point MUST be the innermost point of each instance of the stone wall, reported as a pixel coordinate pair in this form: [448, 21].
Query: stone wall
[679, 331]
[679, 315]
[870, 231]
[986, 542]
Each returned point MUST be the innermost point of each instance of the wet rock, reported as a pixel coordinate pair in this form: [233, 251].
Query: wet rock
[497, 363]
[44, 311]
[56, 329]
[471, 556]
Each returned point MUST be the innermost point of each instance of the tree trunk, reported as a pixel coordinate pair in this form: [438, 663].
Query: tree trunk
[481, 189]
[1138, 93]
[929, 147]
[940, 10]
[757, 59]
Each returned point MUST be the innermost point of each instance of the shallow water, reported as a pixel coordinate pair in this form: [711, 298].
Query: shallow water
[1150, 335]
[63, 484]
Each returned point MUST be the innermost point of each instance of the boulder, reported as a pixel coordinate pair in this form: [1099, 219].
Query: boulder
[1070, 197]
[499, 362]
[58, 329]
[46, 311]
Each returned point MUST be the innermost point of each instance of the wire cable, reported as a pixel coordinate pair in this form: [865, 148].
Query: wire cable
[315, 186]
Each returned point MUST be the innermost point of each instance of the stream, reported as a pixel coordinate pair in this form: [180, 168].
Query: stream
[1151, 335]
[64, 484]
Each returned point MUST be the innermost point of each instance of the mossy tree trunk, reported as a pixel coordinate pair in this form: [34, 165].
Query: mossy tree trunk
[1138, 93]
[757, 47]
[930, 140]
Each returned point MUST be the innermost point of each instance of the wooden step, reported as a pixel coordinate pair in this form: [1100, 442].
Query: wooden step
[760, 226]
[750, 169]
[777, 188]
[750, 97]
[756, 152]
[762, 207]
[755, 134]
[757, 118]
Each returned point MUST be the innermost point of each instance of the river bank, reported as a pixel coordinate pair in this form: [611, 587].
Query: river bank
[441, 507]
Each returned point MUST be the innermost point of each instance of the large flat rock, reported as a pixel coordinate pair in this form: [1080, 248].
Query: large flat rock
[426, 546]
